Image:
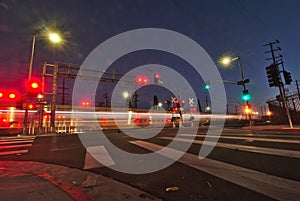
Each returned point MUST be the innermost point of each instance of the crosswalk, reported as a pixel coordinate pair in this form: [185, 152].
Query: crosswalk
[276, 187]
[263, 145]
[15, 145]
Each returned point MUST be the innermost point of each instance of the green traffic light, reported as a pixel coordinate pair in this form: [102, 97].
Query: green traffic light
[207, 85]
[246, 97]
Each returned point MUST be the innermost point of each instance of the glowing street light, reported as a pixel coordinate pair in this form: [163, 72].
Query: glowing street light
[54, 37]
[126, 94]
[227, 61]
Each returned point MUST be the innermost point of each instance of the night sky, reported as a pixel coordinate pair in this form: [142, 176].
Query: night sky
[234, 27]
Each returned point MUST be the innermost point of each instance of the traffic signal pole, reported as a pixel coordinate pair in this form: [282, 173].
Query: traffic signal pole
[281, 86]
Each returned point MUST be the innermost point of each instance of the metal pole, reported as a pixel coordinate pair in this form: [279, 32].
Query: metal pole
[241, 71]
[298, 89]
[244, 86]
[282, 90]
[24, 132]
[53, 98]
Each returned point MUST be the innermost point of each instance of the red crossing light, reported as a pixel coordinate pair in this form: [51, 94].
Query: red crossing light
[85, 103]
[34, 85]
[33, 88]
[141, 79]
[31, 106]
[12, 95]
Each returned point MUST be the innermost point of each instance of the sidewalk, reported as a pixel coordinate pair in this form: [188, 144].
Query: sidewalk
[38, 181]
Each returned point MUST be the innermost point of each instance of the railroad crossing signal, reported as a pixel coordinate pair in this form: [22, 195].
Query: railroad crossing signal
[34, 88]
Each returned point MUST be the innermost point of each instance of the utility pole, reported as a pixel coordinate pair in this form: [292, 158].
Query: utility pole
[297, 85]
[280, 84]
[135, 99]
[63, 91]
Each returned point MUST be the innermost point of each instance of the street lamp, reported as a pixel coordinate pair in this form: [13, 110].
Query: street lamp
[53, 37]
[227, 60]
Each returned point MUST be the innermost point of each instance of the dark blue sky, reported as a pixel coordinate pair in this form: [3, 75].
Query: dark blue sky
[236, 27]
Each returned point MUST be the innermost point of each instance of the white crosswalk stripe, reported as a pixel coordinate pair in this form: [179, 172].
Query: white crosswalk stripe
[269, 185]
[15, 145]
[272, 186]
[263, 150]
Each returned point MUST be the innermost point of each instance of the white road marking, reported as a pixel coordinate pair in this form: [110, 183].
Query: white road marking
[15, 143]
[97, 156]
[275, 187]
[261, 150]
[250, 138]
[13, 152]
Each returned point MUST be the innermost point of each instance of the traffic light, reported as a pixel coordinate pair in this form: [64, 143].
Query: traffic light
[175, 109]
[246, 96]
[141, 79]
[31, 106]
[85, 103]
[8, 96]
[34, 88]
[207, 85]
[273, 75]
[287, 77]
[247, 108]
[156, 78]
[12, 96]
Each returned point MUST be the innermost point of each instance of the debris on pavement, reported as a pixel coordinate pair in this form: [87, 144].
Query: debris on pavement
[172, 188]
[209, 184]
[90, 181]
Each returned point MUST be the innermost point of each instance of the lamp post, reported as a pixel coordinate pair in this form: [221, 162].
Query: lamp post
[53, 37]
[227, 60]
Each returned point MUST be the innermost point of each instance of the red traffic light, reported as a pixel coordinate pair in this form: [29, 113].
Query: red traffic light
[1, 94]
[31, 106]
[156, 78]
[247, 109]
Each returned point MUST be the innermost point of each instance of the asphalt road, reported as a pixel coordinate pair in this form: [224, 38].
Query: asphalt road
[244, 165]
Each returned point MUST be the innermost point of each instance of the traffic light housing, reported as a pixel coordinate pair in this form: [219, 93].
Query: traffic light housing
[207, 85]
[246, 96]
[287, 77]
[156, 78]
[273, 75]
